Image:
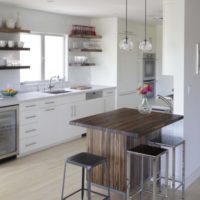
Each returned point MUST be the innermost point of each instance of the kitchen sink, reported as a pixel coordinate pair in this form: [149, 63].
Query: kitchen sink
[56, 91]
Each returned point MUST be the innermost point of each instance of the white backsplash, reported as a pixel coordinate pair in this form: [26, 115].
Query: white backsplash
[9, 79]
[79, 75]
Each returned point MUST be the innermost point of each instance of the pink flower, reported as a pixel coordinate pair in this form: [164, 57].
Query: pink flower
[145, 89]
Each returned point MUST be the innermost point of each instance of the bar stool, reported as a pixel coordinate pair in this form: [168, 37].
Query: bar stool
[172, 142]
[87, 161]
[153, 153]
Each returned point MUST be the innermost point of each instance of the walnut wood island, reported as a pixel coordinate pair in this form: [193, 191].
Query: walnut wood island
[110, 134]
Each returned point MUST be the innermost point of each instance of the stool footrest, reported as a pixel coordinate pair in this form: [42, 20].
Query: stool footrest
[94, 192]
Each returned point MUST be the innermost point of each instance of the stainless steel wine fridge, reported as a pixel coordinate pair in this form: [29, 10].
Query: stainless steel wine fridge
[9, 131]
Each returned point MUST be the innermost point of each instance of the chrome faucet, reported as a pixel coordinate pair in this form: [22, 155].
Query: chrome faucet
[169, 103]
[50, 82]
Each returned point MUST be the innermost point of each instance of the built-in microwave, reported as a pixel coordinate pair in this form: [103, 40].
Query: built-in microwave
[149, 69]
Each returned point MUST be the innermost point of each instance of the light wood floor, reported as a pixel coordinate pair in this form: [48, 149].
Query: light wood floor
[39, 176]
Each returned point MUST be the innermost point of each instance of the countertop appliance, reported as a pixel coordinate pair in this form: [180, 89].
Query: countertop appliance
[9, 131]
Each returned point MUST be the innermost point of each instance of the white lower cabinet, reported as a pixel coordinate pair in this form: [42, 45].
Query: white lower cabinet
[109, 100]
[29, 144]
[47, 122]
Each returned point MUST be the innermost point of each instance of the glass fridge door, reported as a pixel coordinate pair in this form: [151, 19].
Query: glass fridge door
[8, 131]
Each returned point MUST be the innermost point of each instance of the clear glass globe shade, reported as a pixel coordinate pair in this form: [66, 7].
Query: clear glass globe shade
[126, 44]
[145, 45]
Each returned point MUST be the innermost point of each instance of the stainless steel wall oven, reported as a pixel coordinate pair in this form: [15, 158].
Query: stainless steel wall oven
[149, 72]
[9, 131]
[149, 66]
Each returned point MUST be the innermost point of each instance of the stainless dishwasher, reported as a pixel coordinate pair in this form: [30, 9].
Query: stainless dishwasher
[9, 131]
[94, 95]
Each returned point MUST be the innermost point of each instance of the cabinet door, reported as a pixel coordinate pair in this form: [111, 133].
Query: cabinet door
[109, 103]
[49, 125]
[65, 130]
[89, 107]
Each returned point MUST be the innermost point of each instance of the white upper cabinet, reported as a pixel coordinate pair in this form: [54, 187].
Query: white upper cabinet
[169, 37]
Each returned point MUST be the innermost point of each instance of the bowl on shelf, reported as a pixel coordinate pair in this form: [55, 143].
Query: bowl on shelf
[20, 44]
[9, 92]
[3, 43]
[11, 44]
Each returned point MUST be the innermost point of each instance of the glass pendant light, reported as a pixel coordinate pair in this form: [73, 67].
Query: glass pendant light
[126, 44]
[145, 45]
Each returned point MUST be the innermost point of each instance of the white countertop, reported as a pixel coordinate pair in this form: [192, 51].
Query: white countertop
[158, 104]
[30, 96]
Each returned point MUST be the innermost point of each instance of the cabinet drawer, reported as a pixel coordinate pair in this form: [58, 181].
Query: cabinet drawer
[29, 106]
[29, 130]
[29, 117]
[108, 93]
[29, 144]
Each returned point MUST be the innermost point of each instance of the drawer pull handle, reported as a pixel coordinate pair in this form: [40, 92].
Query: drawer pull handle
[31, 144]
[51, 109]
[30, 106]
[30, 131]
[50, 102]
[109, 92]
[31, 117]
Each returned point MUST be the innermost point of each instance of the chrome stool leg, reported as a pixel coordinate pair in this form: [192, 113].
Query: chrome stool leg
[173, 171]
[183, 171]
[155, 161]
[166, 174]
[89, 183]
[83, 183]
[142, 177]
[108, 178]
[63, 185]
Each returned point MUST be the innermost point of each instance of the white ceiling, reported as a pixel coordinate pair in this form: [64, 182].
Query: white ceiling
[94, 8]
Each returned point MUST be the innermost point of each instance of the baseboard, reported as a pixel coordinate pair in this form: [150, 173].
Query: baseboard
[192, 178]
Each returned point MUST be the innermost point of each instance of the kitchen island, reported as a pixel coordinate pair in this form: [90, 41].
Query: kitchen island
[110, 134]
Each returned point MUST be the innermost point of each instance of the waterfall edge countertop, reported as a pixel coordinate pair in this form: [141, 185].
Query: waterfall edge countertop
[128, 122]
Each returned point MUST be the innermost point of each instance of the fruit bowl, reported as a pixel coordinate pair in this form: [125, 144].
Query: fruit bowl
[9, 92]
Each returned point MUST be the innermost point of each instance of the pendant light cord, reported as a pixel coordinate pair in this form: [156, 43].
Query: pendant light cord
[126, 21]
[145, 21]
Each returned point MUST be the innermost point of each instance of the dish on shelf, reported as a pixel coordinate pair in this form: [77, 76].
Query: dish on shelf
[9, 92]
[3, 43]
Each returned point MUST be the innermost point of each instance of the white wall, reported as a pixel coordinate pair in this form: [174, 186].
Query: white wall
[173, 48]
[38, 21]
[105, 72]
[192, 95]
[164, 83]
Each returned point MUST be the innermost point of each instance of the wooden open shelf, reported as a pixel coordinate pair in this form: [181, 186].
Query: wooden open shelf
[81, 65]
[13, 67]
[14, 49]
[14, 30]
[85, 50]
[86, 36]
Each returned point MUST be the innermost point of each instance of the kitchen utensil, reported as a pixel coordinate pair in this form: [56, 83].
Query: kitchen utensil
[3, 43]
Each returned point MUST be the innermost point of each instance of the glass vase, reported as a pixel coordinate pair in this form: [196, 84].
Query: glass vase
[144, 107]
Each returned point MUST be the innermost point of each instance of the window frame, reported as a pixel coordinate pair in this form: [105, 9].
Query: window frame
[43, 57]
